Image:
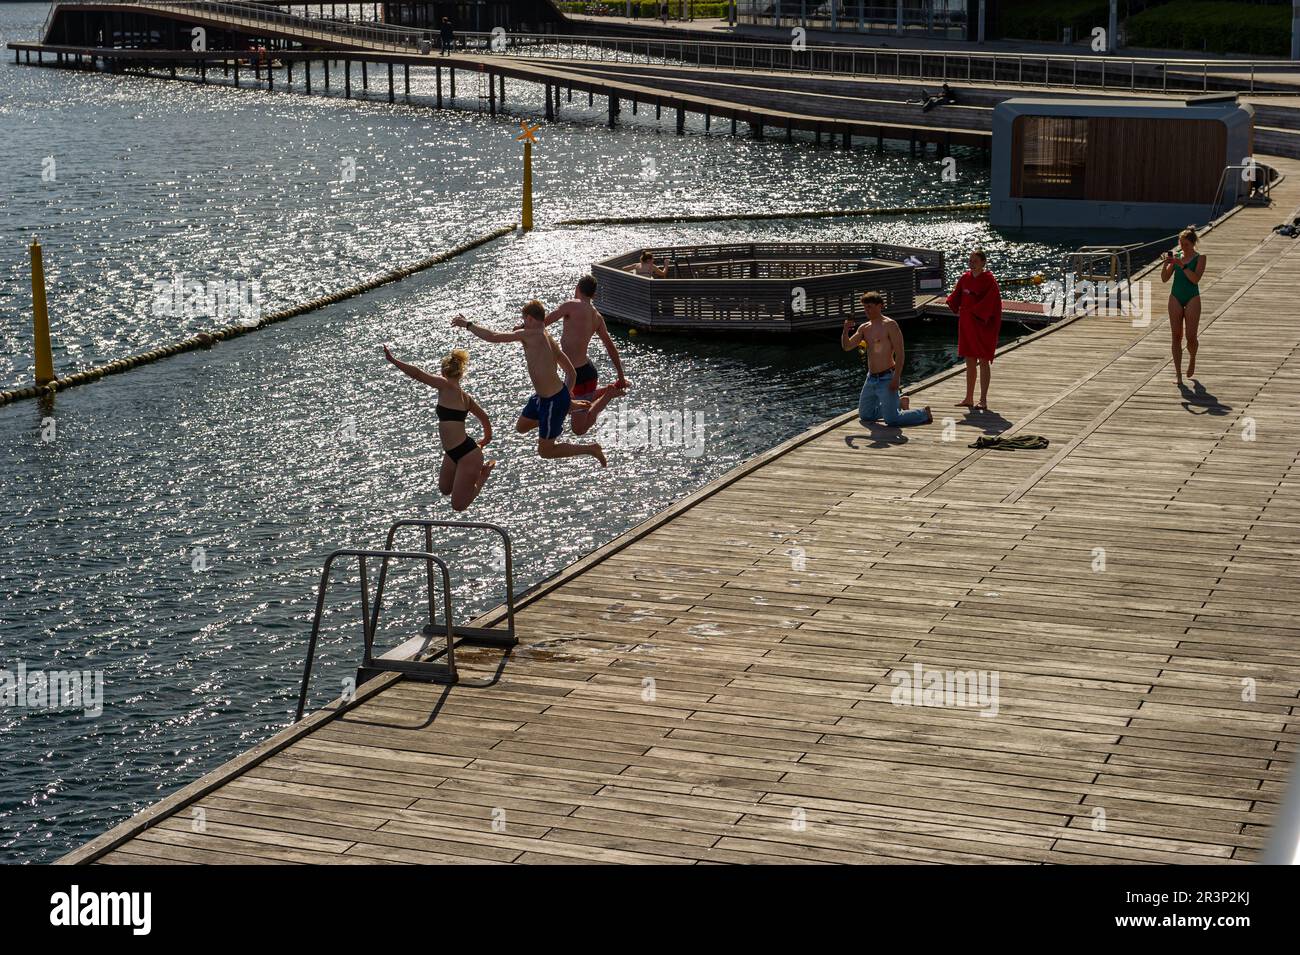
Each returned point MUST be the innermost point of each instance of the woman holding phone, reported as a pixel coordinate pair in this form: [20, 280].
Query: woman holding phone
[1187, 268]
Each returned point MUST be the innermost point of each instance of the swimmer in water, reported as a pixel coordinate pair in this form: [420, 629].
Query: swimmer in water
[464, 472]
[647, 267]
[884, 341]
[551, 400]
[582, 322]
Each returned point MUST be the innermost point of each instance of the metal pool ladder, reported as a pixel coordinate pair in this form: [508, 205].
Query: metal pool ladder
[441, 667]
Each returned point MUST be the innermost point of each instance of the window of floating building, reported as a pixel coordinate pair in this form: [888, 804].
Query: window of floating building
[1049, 157]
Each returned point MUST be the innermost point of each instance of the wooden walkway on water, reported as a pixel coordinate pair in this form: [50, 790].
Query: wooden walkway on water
[1147, 711]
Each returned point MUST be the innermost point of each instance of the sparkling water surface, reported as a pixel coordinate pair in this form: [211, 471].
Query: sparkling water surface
[167, 526]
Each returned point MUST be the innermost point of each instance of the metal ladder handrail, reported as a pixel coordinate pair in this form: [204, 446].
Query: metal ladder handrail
[370, 622]
[471, 634]
[1262, 171]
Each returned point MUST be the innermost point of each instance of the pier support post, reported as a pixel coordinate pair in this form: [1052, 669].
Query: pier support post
[492, 94]
[681, 121]
[550, 108]
[391, 97]
[708, 120]
[756, 128]
[306, 76]
[880, 142]
[236, 74]
[451, 84]
[501, 78]
[733, 124]
[570, 94]
[437, 77]
[203, 72]
[613, 111]
[347, 79]
[288, 74]
[591, 97]
[40, 319]
[789, 131]
[526, 218]
[406, 75]
[911, 144]
[848, 140]
[634, 106]
[327, 76]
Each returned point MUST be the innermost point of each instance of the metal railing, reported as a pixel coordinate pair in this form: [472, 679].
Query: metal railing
[440, 669]
[1258, 178]
[442, 672]
[1027, 69]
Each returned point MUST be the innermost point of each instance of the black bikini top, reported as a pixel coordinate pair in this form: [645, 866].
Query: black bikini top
[450, 414]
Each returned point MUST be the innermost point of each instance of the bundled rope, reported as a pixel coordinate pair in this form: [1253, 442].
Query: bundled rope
[208, 339]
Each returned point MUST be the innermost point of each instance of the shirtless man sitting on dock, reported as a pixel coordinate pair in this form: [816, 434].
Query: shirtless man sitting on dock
[884, 343]
[551, 401]
[581, 323]
[646, 267]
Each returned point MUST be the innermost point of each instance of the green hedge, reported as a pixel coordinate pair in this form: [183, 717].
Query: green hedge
[1036, 20]
[1215, 27]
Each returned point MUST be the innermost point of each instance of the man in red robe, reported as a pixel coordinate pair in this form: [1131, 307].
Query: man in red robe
[977, 300]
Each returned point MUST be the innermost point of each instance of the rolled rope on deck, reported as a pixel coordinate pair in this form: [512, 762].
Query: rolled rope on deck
[807, 214]
[208, 339]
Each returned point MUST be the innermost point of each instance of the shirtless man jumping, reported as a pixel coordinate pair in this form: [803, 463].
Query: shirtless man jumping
[884, 341]
[581, 323]
[551, 401]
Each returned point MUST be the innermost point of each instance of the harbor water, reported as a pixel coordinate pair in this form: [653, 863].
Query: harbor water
[165, 528]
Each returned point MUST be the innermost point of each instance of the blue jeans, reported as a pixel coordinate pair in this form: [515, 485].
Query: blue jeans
[878, 400]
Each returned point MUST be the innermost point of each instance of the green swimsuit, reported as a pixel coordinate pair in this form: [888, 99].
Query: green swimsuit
[1184, 288]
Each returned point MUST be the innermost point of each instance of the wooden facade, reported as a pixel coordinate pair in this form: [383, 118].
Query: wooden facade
[1113, 163]
[1120, 159]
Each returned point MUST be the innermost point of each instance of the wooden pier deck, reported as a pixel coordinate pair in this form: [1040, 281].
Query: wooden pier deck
[716, 686]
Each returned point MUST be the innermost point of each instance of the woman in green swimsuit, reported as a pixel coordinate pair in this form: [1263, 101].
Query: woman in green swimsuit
[1186, 268]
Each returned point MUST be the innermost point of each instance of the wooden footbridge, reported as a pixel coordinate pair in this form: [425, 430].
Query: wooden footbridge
[732, 681]
[835, 93]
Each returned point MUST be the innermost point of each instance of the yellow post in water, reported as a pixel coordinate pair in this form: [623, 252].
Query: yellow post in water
[527, 217]
[40, 319]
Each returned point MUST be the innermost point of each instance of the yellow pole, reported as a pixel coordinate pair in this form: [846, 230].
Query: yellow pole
[528, 187]
[40, 319]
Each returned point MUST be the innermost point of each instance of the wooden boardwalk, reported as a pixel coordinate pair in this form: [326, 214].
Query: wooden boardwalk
[716, 685]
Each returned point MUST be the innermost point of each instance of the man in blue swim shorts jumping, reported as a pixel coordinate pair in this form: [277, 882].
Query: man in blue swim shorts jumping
[551, 400]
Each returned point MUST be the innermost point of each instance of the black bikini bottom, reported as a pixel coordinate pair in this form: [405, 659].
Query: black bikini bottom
[462, 449]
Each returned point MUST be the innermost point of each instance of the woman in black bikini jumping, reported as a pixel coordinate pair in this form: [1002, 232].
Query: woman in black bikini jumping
[464, 472]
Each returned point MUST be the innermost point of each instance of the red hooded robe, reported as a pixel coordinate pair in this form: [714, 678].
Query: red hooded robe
[977, 300]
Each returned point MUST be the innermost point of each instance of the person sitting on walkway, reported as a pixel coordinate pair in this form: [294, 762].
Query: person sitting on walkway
[647, 267]
[464, 472]
[884, 343]
[551, 402]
